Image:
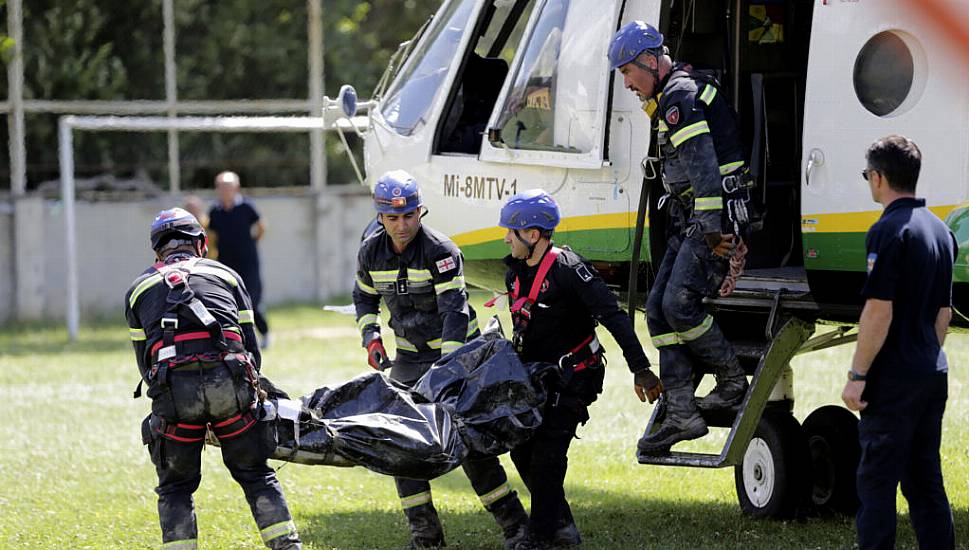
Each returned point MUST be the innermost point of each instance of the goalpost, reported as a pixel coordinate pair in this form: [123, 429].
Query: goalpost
[67, 124]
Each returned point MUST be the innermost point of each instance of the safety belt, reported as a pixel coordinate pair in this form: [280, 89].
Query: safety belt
[180, 294]
[521, 307]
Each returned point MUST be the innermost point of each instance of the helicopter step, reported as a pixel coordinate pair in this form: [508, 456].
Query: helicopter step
[793, 333]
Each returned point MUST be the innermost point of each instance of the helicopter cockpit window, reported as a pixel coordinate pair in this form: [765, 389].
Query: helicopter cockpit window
[884, 72]
[557, 98]
[481, 78]
[527, 118]
[410, 98]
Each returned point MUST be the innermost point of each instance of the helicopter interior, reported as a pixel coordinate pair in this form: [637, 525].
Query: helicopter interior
[760, 50]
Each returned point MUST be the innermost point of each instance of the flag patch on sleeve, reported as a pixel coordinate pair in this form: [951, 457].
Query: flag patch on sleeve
[446, 264]
[871, 261]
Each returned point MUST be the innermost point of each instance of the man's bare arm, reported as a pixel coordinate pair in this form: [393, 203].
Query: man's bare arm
[873, 326]
[942, 321]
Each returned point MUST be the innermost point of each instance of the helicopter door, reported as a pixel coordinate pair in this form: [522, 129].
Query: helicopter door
[552, 111]
[868, 77]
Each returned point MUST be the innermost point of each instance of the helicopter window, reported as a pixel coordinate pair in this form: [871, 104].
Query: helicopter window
[505, 29]
[528, 116]
[413, 92]
[482, 76]
[883, 75]
[556, 98]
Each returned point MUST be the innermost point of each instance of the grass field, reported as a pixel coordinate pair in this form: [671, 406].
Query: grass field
[73, 472]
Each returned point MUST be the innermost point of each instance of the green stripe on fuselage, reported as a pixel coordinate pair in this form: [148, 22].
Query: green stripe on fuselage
[847, 252]
[610, 245]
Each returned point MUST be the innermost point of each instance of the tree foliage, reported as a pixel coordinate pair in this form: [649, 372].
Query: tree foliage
[225, 49]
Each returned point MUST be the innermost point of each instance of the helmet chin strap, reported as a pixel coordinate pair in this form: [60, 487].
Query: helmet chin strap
[528, 245]
[654, 72]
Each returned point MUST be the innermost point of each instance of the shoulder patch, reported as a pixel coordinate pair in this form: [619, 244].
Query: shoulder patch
[672, 115]
[583, 273]
[446, 264]
[871, 261]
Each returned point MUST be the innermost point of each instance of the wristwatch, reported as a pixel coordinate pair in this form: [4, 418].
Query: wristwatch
[855, 377]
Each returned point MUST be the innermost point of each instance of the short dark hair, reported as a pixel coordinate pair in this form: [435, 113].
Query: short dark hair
[898, 159]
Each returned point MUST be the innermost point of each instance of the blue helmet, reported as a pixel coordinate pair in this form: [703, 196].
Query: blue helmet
[631, 40]
[534, 208]
[397, 192]
[172, 223]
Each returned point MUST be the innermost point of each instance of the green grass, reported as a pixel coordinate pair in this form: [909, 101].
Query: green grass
[73, 472]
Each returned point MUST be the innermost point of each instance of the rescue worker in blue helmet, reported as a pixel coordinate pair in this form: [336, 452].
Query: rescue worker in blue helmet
[557, 299]
[191, 322]
[419, 274]
[708, 205]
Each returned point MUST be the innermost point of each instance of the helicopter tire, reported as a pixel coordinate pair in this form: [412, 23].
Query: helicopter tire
[771, 481]
[832, 436]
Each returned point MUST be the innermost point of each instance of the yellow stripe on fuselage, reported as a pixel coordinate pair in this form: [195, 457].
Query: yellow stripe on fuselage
[857, 222]
[616, 220]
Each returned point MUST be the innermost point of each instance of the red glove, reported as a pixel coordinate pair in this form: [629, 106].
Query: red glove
[377, 355]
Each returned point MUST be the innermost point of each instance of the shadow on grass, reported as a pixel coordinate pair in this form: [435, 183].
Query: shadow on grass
[611, 520]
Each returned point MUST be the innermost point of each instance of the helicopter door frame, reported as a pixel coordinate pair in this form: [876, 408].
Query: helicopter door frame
[420, 140]
[595, 157]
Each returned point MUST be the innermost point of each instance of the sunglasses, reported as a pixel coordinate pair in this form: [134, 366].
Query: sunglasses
[865, 172]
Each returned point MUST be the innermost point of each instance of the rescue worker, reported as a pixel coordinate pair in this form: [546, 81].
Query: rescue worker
[707, 199]
[556, 299]
[419, 274]
[191, 323]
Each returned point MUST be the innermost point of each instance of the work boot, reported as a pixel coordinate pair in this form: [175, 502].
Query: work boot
[511, 517]
[532, 543]
[729, 392]
[567, 535]
[425, 527]
[683, 422]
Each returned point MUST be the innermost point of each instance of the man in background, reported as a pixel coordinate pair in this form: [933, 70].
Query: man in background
[236, 227]
[899, 374]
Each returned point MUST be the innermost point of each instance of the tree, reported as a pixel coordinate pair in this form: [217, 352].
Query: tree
[226, 49]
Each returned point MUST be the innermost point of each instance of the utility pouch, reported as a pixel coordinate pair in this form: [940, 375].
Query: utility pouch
[573, 404]
[242, 377]
[151, 436]
[146, 430]
[162, 400]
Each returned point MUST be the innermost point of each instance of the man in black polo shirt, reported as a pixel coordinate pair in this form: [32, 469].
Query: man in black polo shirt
[237, 227]
[899, 374]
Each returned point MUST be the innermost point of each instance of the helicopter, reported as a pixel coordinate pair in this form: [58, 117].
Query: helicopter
[494, 97]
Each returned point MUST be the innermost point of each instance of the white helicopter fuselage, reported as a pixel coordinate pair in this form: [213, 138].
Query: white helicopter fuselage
[476, 120]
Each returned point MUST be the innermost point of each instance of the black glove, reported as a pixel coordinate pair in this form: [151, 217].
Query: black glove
[647, 385]
[721, 245]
